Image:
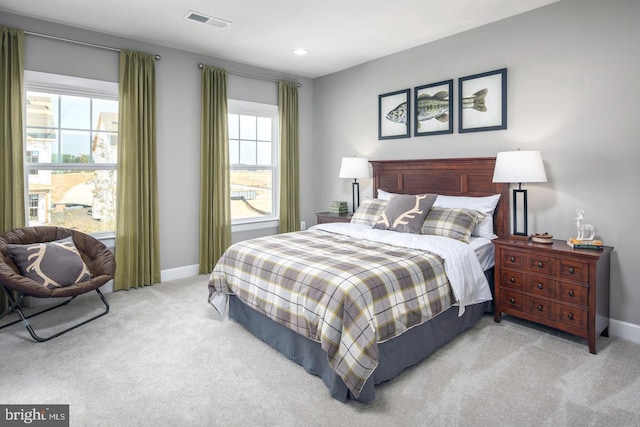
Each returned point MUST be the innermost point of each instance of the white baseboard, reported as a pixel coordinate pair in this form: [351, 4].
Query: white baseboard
[179, 273]
[624, 330]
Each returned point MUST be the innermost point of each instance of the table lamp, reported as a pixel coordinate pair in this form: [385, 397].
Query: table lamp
[519, 167]
[354, 168]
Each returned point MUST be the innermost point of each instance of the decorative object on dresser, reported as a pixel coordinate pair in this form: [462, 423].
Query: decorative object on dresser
[554, 285]
[585, 231]
[519, 167]
[325, 217]
[354, 167]
[544, 238]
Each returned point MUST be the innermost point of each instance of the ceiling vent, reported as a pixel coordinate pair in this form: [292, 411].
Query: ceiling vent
[204, 19]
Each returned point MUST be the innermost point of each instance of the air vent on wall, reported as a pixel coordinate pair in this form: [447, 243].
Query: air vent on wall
[209, 20]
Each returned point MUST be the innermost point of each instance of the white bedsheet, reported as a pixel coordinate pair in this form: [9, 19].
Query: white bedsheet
[484, 250]
[467, 279]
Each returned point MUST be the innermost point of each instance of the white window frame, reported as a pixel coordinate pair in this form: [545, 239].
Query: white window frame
[235, 106]
[36, 81]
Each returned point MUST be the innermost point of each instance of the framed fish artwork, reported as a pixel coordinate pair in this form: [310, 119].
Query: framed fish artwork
[394, 115]
[482, 101]
[433, 108]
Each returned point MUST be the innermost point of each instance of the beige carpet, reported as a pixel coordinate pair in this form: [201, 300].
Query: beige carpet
[159, 358]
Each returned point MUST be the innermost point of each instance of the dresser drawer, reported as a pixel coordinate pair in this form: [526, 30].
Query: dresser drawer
[513, 259]
[541, 285]
[574, 293]
[541, 264]
[572, 316]
[513, 300]
[512, 279]
[574, 270]
[541, 308]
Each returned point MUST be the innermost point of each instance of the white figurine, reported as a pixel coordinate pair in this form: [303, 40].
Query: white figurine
[585, 231]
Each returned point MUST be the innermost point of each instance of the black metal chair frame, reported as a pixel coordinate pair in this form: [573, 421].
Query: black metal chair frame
[15, 306]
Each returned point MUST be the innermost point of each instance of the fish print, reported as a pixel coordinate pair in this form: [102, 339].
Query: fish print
[433, 107]
[398, 114]
[476, 101]
[437, 106]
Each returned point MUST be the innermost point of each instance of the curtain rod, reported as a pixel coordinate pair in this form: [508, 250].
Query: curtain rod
[157, 57]
[236, 73]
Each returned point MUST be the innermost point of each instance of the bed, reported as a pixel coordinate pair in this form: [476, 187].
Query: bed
[354, 305]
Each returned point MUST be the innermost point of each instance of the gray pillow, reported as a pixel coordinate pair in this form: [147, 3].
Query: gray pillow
[368, 211]
[457, 223]
[52, 264]
[405, 213]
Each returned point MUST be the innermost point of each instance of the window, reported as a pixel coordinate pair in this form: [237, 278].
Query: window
[253, 156]
[34, 205]
[71, 140]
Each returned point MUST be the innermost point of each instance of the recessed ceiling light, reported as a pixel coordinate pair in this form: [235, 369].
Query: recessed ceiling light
[301, 52]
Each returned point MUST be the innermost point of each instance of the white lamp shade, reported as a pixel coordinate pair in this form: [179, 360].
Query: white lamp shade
[519, 166]
[354, 167]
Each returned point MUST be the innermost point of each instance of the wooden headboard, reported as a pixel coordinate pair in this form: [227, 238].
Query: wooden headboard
[451, 177]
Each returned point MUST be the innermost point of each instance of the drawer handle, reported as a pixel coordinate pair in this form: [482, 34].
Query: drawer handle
[513, 259]
[571, 293]
[512, 300]
[540, 264]
[539, 285]
[539, 307]
[571, 270]
[570, 316]
[512, 279]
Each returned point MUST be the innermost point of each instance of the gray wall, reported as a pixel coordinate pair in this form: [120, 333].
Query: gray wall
[178, 119]
[573, 93]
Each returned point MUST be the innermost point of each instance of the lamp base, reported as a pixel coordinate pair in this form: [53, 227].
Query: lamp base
[520, 194]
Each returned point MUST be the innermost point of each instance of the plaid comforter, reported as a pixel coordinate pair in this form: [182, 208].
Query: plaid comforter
[348, 294]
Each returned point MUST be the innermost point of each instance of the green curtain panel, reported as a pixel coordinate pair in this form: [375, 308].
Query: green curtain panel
[12, 214]
[137, 237]
[215, 197]
[289, 168]
[12, 205]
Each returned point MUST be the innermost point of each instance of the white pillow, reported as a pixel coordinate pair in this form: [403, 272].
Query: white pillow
[385, 195]
[485, 205]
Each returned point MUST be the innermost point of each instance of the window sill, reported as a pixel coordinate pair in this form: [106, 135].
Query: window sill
[254, 225]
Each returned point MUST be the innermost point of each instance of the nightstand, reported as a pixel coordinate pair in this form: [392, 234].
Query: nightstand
[554, 285]
[324, 217]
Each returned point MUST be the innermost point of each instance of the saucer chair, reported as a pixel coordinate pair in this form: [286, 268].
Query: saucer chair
[52, 262]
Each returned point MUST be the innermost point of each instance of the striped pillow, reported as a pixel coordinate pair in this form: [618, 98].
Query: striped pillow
[368, 211]
[457, 223]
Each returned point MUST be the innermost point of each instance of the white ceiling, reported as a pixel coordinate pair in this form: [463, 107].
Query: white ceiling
[337, 33]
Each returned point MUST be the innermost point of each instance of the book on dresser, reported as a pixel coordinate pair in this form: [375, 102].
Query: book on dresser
[338, 207]
[585, 244]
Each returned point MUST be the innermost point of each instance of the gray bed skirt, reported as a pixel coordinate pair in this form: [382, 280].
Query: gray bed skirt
[394, 355]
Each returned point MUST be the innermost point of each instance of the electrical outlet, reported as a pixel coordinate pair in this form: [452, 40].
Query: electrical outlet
[303, 225]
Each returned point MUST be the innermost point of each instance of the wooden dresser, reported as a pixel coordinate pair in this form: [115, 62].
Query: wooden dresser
[554, 285]
[324, 217]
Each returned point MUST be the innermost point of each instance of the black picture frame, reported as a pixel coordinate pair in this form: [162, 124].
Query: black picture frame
[478, 111]
[394, 118]
[434, 103]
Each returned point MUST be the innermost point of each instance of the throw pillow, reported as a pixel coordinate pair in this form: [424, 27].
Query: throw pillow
[52, 264]
[368, 211]
[456, 223]
[405, 213]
